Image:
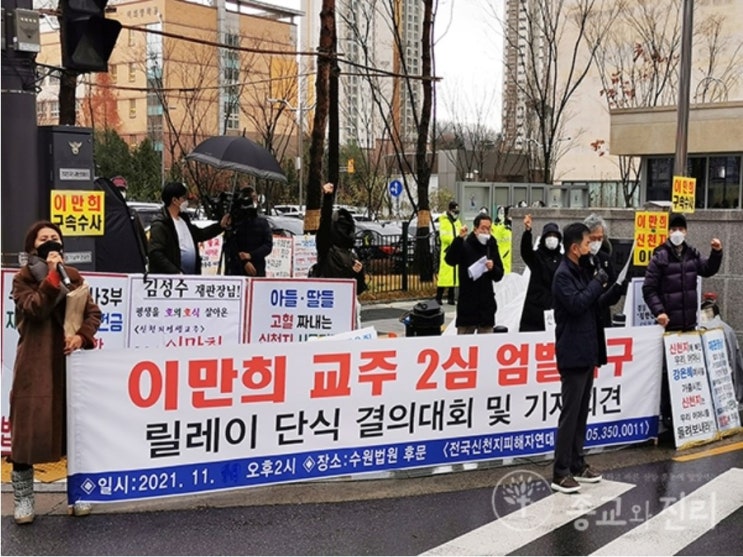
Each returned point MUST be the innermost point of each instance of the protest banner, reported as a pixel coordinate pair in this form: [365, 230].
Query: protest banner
[203, 419]
[720, 374]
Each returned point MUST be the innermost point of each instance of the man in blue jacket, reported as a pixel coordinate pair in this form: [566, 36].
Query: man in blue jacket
[580, 347]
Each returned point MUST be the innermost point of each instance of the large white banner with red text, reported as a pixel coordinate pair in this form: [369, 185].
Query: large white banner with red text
[156, 422]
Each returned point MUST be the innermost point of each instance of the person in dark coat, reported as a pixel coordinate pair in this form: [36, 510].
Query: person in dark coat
[670, 289]
[476, 303]
[580, 346]
[250, 240]
[335, 241]
[600, 249]
[173, 247]
[38, 407]
[542, 263]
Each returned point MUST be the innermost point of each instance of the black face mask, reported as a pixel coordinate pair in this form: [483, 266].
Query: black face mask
[44, 249]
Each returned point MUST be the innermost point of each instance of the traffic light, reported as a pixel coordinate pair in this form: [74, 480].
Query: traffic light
[88, 38]
[351, 168]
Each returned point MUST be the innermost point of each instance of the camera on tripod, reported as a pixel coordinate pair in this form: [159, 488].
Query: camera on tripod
[237, 205]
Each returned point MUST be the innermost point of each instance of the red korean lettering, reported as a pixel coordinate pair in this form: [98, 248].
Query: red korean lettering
[461, 372]
[619, 359]
[78, 203]
[544, 353]
[513, 361]
[332, 382]
[266, 376]
[94, 202]
[425, 382]
[213, 374]
[160, 384]
[369, 371]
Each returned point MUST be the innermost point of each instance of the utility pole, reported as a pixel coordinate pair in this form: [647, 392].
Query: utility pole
[22, 193]
[682, 125]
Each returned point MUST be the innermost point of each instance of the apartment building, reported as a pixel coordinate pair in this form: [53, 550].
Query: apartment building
[590, 146]
[172, 77]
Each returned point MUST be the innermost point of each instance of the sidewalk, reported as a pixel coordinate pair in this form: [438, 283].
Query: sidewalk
[385, 316]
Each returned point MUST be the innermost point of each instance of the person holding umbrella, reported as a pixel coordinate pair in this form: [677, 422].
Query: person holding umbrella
[173, 248]
[250, 240]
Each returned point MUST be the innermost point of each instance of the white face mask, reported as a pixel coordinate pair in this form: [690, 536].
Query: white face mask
[551, 242]
[677, 237]
[594, 247]
[183, 206]
[483, 238]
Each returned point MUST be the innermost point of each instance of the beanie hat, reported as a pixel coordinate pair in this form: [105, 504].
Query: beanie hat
[676, 220]
[453, 205]
[551, 228]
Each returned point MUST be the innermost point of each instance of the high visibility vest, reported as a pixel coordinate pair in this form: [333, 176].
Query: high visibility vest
[448, 230]
[503, 237]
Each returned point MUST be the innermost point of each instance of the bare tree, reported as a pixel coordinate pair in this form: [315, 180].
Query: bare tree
[637, 59]
[553, 59]
[325, 63]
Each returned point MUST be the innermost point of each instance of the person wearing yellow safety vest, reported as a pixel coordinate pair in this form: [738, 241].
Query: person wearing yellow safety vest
[449, 227]
[501, 231]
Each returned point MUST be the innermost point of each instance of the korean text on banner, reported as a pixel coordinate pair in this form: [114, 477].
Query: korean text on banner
[202, 419]
[305, 255]
[300, 309]
[651, 230]
[185, 310]
[691, 403]
[720, 375]
[683, 194]
[78, 213]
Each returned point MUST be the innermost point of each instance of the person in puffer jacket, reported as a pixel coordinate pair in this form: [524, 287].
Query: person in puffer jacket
[670, 290]
[670, 286]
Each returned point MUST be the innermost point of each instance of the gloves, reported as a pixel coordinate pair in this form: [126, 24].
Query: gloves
[601, 276]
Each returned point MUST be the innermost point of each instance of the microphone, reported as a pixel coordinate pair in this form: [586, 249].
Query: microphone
[63, 273]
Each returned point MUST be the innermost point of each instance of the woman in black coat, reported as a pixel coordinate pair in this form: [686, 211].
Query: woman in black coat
[542, 263]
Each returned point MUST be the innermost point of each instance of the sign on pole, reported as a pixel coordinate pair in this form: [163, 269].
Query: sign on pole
[683, 194]
[651, 230]
[78, 213]
[395, 188]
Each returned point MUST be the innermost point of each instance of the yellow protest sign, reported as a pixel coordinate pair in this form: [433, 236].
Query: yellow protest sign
[683, 194]
[651, 230]
[78, 213]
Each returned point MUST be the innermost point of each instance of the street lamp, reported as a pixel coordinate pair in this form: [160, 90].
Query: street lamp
[300, 110]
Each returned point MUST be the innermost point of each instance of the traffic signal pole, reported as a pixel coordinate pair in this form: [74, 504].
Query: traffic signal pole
[21, 190]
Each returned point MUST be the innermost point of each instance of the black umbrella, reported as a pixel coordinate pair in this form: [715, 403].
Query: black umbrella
[234, 152]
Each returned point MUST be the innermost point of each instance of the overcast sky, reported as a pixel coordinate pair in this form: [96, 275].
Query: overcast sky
[468, 57]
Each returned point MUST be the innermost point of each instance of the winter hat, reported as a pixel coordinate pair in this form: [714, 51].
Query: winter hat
[453, 205]
[676, 220]
[551, 228]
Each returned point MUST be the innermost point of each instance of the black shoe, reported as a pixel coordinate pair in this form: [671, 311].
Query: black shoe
[451, 302]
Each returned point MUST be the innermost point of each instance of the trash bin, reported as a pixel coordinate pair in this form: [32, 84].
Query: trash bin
[425, 320]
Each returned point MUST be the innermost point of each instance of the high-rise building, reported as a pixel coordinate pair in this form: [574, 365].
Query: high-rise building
[625, 54]
[168, 80]
[382, 35]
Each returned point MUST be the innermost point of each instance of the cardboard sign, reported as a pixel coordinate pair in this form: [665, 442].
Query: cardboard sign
[78, 213]
[720, 375]
[683, 194]
[651, 230]
[691, 402]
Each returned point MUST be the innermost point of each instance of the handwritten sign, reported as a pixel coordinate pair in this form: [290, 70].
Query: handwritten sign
[691, 402]
[651, 230]
[683, 194]
[720, 380]
[305, 255]
[78, 213]
[279, 261]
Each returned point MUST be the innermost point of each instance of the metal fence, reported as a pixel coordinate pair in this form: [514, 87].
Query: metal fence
[392, 262]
